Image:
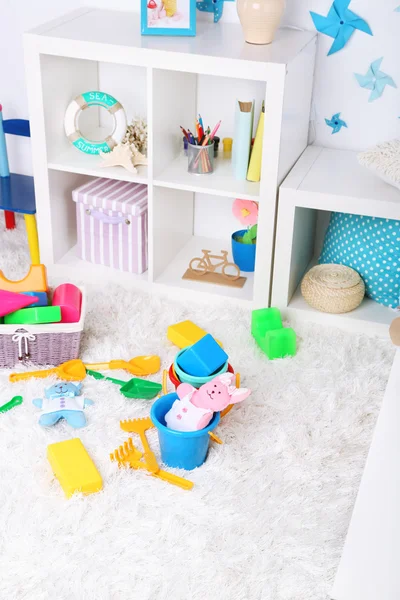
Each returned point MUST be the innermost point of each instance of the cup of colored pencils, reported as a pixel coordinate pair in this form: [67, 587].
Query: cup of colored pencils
[201, 148]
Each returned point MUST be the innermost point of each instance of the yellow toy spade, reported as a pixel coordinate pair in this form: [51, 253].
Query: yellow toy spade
[72, 370]
[139, 366]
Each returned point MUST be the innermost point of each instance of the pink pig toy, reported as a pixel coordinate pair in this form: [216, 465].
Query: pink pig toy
[195, 408]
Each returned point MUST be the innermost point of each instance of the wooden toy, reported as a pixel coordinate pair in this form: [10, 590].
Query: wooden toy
[10, 302]
[35, 280]
[72, 370]
[140, 365]
[17, 192]
[202, 269]
[274, 340]
[16, 401]
[203, 358]
[34, 316]
[128, 455]
[186, 333]
[63, 401]
[42, 299]
[140, 389]
[69, 298]
[74, 468]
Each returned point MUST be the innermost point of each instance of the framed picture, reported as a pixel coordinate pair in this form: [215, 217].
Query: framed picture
[168, 17]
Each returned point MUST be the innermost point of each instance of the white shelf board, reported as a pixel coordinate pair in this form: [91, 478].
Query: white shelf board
[70, 265]
[369, 567]
[172, 275]
[370, 317]
[103, 32]
[333, 180]
[219, 183]
[74, 161]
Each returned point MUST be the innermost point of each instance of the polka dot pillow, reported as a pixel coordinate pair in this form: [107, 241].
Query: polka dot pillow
[371, 246]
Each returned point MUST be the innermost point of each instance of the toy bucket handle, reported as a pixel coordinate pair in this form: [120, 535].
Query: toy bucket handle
[107, 219]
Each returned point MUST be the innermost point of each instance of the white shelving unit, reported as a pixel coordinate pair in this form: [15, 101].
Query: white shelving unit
[168, 81]
[323, 181]
[369, 567]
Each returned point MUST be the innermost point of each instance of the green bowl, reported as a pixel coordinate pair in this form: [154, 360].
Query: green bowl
[196, 381]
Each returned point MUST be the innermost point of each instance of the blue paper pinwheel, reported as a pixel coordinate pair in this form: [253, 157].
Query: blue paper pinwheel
[340, 24]
[336, 123]
[212, 6]
[375, 80]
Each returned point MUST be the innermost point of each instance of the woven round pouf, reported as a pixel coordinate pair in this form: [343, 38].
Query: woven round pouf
[333, 288]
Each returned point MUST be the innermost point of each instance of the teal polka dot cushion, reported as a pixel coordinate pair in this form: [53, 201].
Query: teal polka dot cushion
[371, 246]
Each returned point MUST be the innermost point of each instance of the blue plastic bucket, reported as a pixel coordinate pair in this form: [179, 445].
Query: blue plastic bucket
[244, 255]
[180, 449]
[195, 381]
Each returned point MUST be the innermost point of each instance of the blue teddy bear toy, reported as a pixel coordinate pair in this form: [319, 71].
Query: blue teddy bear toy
[63, 401]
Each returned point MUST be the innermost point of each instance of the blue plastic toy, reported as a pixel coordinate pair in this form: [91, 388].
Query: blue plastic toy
[17, 192]
[204, 358]
[42, 298]
[63, 401]
[212, 6]
[181, 449]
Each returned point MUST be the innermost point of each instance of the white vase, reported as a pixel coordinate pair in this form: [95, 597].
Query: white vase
[260, 19]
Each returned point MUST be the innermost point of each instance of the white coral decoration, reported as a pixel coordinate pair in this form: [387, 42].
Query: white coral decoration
[136, 134]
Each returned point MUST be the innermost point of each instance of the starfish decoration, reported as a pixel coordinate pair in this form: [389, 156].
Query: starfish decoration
[340, 24]
[215, 6]
[123, 155]
[375, 80]
[336, 123]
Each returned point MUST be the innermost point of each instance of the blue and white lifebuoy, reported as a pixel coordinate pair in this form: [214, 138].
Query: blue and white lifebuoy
[84, 101]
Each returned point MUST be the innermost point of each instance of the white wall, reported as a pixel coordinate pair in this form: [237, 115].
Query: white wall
[336, 89]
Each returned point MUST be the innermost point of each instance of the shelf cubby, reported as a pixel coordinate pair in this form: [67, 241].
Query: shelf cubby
[325, 181]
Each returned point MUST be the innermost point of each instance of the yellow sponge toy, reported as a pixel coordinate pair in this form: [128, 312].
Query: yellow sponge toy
[74, 468]
[185, 334]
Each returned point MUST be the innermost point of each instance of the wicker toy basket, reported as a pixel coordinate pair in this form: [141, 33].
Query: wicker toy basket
[50, 344]
[333, 288]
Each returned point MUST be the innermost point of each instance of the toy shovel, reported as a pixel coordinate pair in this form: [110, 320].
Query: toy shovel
[140, 365]
[72, 370]
[140, 389]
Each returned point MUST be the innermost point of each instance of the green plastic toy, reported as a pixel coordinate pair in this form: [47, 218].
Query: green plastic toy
[34, 316]
[135, 388]
[274, 340]
[16, 401]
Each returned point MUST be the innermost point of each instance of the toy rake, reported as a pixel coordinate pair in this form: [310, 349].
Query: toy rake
[129, 455]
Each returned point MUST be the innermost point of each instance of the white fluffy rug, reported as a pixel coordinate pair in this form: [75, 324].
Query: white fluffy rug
[267, 517]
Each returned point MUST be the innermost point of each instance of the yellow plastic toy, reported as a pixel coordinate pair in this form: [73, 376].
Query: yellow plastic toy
[170, 7]
[74, 468]
[139, 366]
[186, 333]
[35, 281]
[128, 455]
[72, 370]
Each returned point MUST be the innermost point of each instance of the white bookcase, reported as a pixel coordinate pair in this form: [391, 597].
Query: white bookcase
[322, 181]
[168, 81]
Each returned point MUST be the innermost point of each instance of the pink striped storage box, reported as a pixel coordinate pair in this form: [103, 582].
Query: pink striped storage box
[112, 224]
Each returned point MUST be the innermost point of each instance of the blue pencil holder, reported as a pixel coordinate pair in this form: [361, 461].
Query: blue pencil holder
[192, 379]
[180, 449]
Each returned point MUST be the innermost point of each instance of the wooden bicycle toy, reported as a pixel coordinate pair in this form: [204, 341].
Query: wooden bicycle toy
[202, 265]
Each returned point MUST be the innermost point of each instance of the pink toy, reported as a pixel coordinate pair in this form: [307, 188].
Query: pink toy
[11, 302]
[69, 298]
[195, 408]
